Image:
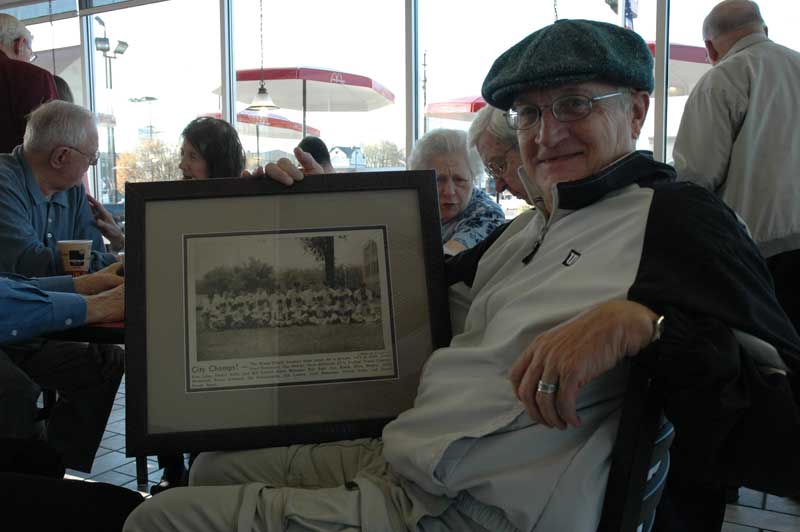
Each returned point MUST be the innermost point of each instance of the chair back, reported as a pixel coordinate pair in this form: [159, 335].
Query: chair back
[639, 460]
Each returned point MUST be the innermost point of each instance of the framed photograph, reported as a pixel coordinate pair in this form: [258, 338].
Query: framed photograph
[260, 315]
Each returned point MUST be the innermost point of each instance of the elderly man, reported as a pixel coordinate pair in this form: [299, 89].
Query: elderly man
[23, 87]
[42, 199]
[560, 299]
[35, 500]
[739, 137]
[497, 145]
[86, 377]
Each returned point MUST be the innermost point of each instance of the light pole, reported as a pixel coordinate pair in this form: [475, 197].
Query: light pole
[102, 44]
[149, 100]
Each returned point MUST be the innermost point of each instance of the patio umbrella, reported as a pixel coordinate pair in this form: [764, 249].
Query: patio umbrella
[456, 109]
[313, 89]
[274, 125]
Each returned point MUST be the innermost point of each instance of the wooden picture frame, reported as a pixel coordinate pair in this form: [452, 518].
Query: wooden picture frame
[261, 315]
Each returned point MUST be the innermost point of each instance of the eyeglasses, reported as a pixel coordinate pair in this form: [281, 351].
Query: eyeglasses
[568, 108]
[91, 158]
[498, 165]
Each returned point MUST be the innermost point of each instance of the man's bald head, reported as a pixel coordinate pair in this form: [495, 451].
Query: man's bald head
[733, 17]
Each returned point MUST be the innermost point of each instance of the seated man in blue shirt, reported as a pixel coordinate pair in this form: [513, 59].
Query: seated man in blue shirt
[30, 471]
[86, 377]
[42, 199]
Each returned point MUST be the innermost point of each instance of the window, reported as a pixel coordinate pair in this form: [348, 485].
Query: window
[41, 9]
[459, 41]
[351, 54]
[58, 50]
[159, 70]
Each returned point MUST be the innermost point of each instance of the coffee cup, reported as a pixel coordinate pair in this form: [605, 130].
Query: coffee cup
[76, 256]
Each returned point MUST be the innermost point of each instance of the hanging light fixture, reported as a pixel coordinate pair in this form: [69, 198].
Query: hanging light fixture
[262, 100]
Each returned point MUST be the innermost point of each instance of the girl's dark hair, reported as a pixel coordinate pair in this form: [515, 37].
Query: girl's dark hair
[63, 90]
[218, 143]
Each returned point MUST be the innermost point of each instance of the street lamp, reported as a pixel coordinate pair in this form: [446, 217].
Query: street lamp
[149, 100]
[103, 44]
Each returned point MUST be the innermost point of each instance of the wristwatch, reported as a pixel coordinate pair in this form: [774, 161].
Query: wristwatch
[658, 328]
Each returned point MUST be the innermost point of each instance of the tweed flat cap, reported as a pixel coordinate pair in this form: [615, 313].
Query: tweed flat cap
[570, 51]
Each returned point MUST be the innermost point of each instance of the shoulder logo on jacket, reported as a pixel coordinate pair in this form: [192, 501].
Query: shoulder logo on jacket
[572, 258]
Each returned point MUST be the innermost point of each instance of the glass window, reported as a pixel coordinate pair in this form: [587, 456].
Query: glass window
[459, 41]
[351, 54]
[41, 9]
[58, 50]
[152, 76]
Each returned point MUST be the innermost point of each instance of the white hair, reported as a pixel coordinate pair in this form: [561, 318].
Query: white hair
[441, 141]
[12, 29]
[492, 120]
[57, 123]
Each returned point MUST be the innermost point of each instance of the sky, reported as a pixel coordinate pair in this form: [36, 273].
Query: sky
[173, 53]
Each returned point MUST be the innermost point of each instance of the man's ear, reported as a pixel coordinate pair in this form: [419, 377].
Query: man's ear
[640, 103]
[17, 46]
[59, 157]
[711, 52]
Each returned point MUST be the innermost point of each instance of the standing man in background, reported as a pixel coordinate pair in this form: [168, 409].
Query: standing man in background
[23, 87]
[739, 137]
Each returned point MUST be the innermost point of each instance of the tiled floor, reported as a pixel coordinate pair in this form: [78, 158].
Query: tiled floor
[754, 512]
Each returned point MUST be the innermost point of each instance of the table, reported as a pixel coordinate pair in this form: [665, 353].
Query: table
[96, 333]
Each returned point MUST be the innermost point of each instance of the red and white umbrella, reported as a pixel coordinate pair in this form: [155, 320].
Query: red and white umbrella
[313, 89]
[456, 109]
[271, 125]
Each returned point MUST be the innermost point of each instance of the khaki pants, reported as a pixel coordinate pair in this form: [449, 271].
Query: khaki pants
[341, 486]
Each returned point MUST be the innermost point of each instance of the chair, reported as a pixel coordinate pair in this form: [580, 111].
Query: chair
[639, 460]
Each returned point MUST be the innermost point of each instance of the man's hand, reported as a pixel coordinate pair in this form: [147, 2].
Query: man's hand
[572, 354]
[99, 281]
[106, 306]
[105, 222]
[284, 171]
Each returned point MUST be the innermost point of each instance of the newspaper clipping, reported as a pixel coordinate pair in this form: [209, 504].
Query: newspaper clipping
[287, 308]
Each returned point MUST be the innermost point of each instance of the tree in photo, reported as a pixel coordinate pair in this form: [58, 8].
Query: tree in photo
[322, 248]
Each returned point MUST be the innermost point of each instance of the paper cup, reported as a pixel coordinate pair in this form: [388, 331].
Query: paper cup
[76, 255]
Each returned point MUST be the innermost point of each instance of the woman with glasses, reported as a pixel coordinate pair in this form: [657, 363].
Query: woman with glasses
[498, 148]
[468, 214]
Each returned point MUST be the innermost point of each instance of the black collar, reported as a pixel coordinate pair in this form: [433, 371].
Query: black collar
[638, 167]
